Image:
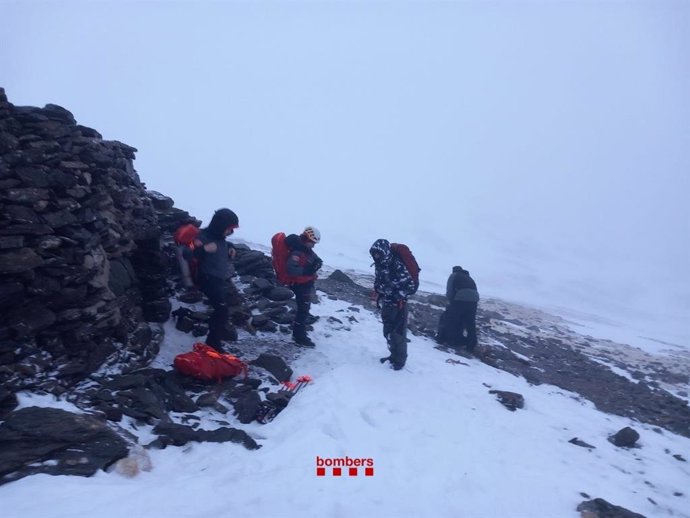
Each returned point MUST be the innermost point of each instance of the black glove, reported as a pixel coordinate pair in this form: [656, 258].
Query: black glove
[318, 264]
[310, 269]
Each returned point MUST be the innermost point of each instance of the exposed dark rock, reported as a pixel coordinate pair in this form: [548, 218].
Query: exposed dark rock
[625, 438]
[600, 508]
[253, 262]
[339, 276]
[510, 400]
[160, 201]
[578, 442]
[207, 400]
[263, 285]
[260, 320]
[179, 435]
[185, 324]
[17, 261]
[53, 441]
[278, 293]
[247, 406]
[275, 365]
[122, 276]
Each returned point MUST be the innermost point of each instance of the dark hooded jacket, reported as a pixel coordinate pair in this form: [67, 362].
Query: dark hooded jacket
[461, 287]
[392, 282]
[216, 264]
[302, 263]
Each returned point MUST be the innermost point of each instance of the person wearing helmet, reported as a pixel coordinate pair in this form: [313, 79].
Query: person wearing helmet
[213, 253]
[393, 284]
[302, 264]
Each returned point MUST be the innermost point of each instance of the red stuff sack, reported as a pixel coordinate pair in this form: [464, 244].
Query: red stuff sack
[186, 234]
[279, 256]
[205, 363]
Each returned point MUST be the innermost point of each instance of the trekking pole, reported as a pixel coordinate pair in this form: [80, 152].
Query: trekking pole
[301, 382]
[299, 386]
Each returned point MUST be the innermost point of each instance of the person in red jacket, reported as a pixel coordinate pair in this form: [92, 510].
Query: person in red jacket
[302, 265]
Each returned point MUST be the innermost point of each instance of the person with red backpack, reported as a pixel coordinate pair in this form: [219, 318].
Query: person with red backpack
[301, 267]
[393, 283]
[213, 253]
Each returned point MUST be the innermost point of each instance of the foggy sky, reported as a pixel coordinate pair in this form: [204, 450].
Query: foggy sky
[544, 146]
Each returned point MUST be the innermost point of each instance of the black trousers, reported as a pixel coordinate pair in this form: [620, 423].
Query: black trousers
[458, 325]
[216, 290]
[395, 331]
[303, 294]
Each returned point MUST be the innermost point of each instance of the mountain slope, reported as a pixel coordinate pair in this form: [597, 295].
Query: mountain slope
[440, 442]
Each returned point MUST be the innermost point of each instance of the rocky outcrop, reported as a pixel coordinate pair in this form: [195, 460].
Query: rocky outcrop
[88, 269]
[80, 258]
[53, 441]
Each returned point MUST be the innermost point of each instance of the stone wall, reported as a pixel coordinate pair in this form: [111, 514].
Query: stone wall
[81, 268]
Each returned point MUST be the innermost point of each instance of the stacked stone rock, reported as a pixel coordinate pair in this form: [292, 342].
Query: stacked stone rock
[80, 259]
[86, 255]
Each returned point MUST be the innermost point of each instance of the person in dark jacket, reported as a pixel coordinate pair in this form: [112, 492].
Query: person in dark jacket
[393, 285]
[302, 265]
[457, 326]
[213, 253]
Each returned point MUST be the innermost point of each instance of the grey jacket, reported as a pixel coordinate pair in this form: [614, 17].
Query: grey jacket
[213, 264]
[461, 287]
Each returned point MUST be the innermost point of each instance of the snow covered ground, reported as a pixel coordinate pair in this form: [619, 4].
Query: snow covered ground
[441, 446]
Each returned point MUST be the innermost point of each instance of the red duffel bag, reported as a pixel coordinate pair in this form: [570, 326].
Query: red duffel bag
[205, 363]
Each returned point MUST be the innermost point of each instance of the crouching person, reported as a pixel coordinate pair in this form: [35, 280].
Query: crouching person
[457, 326]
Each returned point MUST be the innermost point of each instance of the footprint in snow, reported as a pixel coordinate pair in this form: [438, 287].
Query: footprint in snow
[367, 418]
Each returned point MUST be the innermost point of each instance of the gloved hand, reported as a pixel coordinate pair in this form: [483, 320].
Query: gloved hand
[318, 264]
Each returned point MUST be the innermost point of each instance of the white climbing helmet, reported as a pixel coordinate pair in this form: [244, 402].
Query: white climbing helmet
[312, 234]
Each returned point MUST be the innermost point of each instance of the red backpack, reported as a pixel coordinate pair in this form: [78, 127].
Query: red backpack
[206, 363]
[405, 254]
[279, 254]
[185, 236]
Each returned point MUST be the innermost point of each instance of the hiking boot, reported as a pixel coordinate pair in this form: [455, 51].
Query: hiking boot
[304, 341]
[311, 319]
[397, 366]
[299, 335]
[229, 333]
